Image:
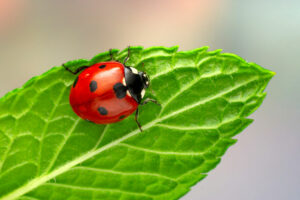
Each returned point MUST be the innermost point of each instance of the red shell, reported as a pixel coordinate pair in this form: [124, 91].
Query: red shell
[97, 101]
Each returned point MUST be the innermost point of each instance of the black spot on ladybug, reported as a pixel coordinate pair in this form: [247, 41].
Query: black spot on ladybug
[122, 117]
[102, 111]
[75, 82]
[102, 66]
[93, 86]
[120, 90]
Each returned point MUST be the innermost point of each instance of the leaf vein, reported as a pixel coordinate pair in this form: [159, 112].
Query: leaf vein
[101, 137]
[185, 108]
[124, 173]
[98, 189]
[47, 125]
[161, 152]
[62, 145]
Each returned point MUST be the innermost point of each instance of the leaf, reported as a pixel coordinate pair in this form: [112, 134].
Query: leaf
[47, 152]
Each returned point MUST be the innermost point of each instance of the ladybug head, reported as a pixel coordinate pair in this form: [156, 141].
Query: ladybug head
[145, 79]
[136, 83]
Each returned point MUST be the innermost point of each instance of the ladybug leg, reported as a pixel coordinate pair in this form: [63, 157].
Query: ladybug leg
[149, 100]
[111, 54]
[76, 71]
[128, 55]
[136, 119]
[137, 111]
[143, 67]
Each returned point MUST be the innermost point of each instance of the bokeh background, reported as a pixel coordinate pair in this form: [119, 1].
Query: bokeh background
[264, 164]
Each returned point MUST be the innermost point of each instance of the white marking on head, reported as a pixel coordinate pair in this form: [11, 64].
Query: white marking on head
[128, 93]
[143, 93]
[134, 70]
[124, 82]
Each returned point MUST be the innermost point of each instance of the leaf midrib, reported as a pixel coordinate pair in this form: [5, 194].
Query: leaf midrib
[46, 177]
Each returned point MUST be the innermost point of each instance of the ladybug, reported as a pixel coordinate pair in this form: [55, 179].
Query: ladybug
[108, 92]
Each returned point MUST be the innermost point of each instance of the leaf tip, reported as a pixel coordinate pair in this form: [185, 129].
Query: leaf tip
[272, 73]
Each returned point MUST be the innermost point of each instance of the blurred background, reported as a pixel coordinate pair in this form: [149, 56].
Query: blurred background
[264, 164]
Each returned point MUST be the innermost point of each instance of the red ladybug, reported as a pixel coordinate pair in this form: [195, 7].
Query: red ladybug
[108, 92]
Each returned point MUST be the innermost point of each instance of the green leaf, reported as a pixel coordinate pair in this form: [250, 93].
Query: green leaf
[47, 152]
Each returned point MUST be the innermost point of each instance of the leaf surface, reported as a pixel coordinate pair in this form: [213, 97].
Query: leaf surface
[47, 152]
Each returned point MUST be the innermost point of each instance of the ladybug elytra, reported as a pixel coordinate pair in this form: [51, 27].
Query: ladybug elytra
[108, 92]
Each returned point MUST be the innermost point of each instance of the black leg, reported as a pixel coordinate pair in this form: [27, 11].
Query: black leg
[136, 119]
[149, 100]
[137, 111]
[128, 55]
[111, 54]
[76, 71]
[143, 67]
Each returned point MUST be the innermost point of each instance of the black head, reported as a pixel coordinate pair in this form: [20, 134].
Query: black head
[136, 83]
